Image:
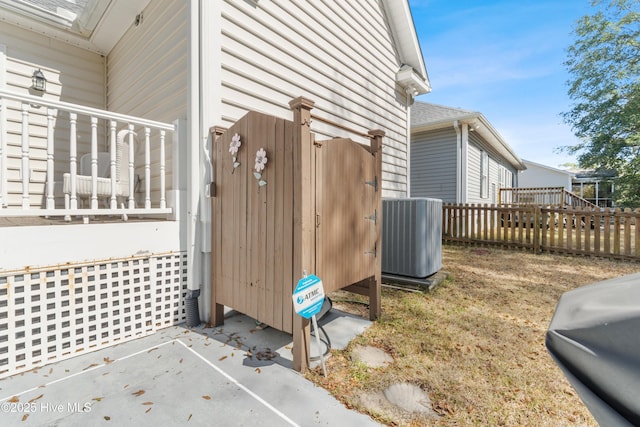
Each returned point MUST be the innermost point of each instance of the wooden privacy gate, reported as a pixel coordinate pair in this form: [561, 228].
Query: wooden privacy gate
[285, 204]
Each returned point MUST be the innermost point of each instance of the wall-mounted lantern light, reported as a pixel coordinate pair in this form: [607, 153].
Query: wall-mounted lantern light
[38, 81]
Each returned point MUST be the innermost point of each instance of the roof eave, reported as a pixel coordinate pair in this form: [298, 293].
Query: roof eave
[406, 39]
[491, 135]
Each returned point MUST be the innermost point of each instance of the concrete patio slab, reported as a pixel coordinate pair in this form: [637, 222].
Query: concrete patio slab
[237, 374]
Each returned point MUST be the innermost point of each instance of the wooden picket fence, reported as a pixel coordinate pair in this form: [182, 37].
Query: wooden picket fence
[606, 232]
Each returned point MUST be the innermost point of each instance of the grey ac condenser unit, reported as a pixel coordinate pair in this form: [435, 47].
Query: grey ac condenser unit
[411, 237]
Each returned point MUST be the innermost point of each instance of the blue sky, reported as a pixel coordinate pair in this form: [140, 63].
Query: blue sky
[504, 58]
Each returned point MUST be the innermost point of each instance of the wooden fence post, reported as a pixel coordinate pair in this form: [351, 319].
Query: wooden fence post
[217, 310]
[303, 219]
[375, 303]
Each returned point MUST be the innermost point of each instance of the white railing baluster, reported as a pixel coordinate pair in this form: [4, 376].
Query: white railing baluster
[112, 163]
[78, 184]
[3, 154]
[73, 159]
[163, 200]
[147, 169]
[26, 173]
[131, 169]
[94, 163]
[50, 159]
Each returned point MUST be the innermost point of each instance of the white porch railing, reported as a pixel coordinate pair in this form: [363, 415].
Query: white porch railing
[43, 142]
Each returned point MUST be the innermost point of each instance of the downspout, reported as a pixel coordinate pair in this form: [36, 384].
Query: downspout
[210, 114]
[464, 162]
[456, 126]
[193, 161]
[410, 93]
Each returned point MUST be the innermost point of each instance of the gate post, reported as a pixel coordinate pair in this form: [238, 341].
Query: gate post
[375, 303]
[217, 309]
[304, 248]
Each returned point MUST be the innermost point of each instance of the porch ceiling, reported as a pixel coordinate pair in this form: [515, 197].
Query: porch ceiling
[92, 24]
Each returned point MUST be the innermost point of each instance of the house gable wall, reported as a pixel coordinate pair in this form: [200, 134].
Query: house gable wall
[433, 165]
[537, 176]
[339, 54]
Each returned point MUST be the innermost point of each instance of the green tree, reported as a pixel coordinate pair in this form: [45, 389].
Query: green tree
[604, 85]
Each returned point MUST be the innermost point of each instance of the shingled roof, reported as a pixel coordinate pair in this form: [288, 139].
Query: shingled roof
[426, 116]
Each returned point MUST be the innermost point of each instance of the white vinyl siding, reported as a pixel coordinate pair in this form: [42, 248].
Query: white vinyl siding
[147, 69]
[498, 173]
[148, 72]
[73, 75]
[339, 54]
[433, 165]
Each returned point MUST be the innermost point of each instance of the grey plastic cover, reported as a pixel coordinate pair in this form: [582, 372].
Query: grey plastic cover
[594, 337]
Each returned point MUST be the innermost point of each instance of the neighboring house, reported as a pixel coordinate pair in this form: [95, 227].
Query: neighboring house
[458, 156]
[133, 88]
[538, 175]
[596, 186]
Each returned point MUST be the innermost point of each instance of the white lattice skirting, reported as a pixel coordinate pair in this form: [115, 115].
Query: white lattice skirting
[54, 313]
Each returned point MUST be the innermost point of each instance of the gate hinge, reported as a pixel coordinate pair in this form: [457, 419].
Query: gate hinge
[373, 217]
[317, 220]
[212, 189]
[373, 183]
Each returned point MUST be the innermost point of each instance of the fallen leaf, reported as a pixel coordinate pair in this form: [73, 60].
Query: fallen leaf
[147, 410]
[126, 386]
[107, 417]
[222, 358]
[258, 370]
[180, 361]
[138, 393]
[24, 417]
[154, 348]
[14, 399]
[98, 399]
[147, 403]
[107, 360]
[206, 397]
[50, 371]
[90, 366]
[189, 419]
[36, 398]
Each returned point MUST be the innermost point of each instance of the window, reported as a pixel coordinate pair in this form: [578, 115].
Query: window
[484, 174]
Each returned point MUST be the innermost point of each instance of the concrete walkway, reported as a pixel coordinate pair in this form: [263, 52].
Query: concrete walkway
[234, 375]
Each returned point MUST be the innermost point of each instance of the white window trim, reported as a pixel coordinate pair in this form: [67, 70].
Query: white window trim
[484, 175]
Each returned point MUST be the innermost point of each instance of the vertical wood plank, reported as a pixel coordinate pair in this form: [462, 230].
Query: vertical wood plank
[627, 231]
[217, 309]
[616, 232]
[288, 224]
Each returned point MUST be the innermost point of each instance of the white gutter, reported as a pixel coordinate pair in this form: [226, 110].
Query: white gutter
[210, 114]
[409, 99]
[193, 151]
